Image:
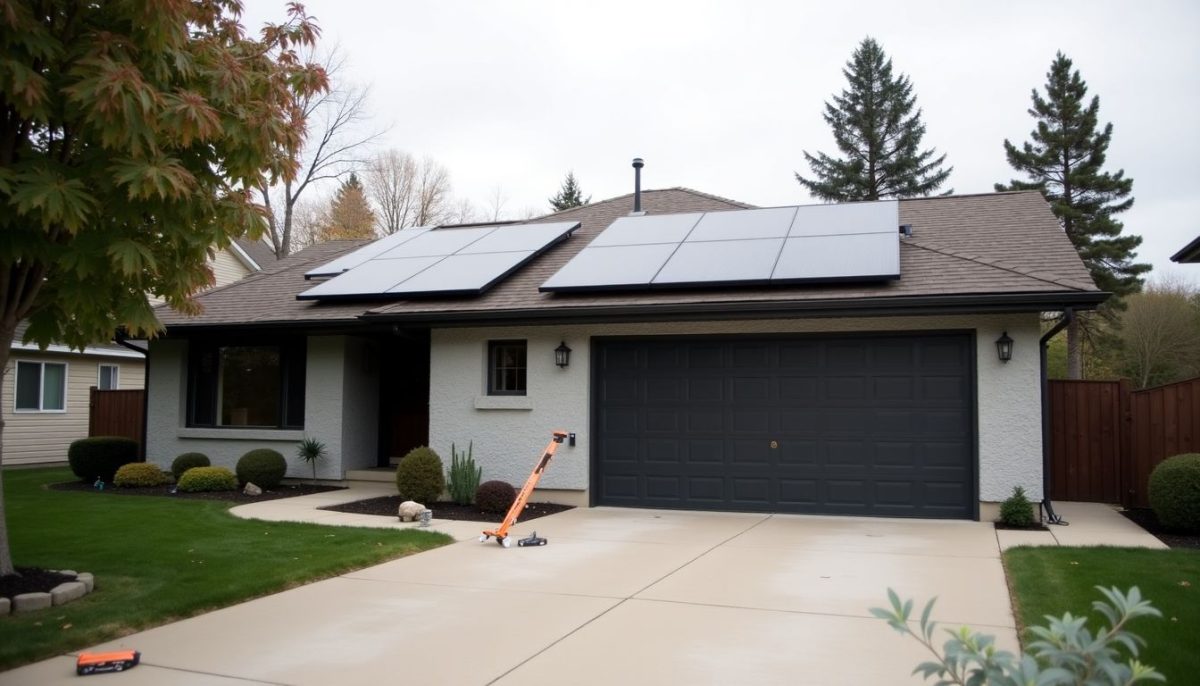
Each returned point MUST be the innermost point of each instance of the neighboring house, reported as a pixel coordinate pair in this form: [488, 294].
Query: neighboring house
[49, 407]
[861, 393]
[1189, 254]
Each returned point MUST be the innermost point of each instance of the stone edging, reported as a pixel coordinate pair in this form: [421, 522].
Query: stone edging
[61, 594]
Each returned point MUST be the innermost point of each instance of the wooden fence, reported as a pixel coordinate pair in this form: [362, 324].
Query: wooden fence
[118, 413]
[1106, 438]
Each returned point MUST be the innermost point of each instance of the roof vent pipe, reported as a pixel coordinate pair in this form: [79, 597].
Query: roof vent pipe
[637, 185]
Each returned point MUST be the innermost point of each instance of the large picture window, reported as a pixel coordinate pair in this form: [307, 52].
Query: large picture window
[41, 387]
[255, 384]
[506, 367]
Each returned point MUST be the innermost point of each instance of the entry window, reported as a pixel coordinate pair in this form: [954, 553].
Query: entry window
[258, 386]
[41, 387]
[506, 367]
[108, 377]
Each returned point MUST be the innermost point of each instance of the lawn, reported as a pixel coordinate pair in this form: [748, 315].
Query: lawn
[1051, 581]
[158, 559]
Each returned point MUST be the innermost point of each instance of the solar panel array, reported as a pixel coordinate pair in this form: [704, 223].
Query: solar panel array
[442, 261]
[773, 246]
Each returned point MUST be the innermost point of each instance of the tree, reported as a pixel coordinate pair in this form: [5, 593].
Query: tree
[1063, 160]
[349, 215]
[335, 118]
[879, 135]
[1159, 333]
[129, 139]
[408, 192]
[569, 195]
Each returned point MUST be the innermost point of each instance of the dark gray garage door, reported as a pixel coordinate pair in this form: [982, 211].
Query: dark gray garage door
[856, 425]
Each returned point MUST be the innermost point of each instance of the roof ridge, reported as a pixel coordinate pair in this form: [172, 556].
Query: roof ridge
[965, 195]
[996, 264]
[682, 189]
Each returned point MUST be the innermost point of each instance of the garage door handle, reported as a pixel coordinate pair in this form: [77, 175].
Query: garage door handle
[774, 445]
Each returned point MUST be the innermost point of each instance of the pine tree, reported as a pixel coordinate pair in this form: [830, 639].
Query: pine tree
[570, 195]
[879, 135]
[1063, 161]
[349, 215]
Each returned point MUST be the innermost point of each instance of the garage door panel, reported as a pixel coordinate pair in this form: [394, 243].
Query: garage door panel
[794, 452]
[708, 489]
[662, 450]
[751, 356]
[704, 356]
[706, 451]
[752, 491]
[743, 389]
[893, 389]
[664, 390]
[800, 356]
[892, 356]
[749, 453]
[943, 389]
[853, 388]
[798, 389]
[705, 390]
[664, 357]
[620, 390]
[617, 358]
[659, 421]
[798, 492]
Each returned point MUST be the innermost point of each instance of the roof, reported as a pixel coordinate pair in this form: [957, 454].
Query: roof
[256, 254]
[98, 349]
[1189, 254]
[1000, 248]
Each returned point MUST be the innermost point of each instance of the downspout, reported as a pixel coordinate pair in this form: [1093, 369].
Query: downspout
[122, 340]
[1047, 506]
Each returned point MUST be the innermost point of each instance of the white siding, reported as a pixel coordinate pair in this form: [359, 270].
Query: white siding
[227, 268]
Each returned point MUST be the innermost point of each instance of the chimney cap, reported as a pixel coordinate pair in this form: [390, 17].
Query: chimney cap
[638, 163]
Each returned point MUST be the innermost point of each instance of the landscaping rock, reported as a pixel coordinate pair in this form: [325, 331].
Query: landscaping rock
[68, 572]
[65, 593]
[251, 489]
[28, 602]
[88, 581]
[410, 510]
[5, 606]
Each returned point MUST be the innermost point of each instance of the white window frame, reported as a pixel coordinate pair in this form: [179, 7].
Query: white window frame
[116, 376]
[41, 387]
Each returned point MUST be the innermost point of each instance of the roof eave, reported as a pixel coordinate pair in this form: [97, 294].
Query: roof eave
[1190, 254]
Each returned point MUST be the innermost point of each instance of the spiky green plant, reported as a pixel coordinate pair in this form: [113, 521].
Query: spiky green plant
[463, 476]
[311, 451]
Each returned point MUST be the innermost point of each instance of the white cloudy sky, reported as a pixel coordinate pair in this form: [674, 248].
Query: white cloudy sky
[723, 97]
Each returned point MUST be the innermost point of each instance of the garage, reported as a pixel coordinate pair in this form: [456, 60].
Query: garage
[862, 424]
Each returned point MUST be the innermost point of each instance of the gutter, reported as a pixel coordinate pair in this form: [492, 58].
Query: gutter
[1047, 506]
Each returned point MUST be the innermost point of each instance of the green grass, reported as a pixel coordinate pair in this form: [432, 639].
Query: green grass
[1051, 581]
[159, 559]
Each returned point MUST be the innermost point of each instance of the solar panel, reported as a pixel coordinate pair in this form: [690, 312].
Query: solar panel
[854, 217]
[367, 252]
[598, 268]
[827, 258]
[644, 230]
[741, 224]
[442, 261]
[721, 262]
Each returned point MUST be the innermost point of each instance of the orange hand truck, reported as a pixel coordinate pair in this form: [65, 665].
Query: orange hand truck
[518, 506]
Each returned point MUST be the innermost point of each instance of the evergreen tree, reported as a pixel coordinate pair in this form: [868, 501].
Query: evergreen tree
[349, 215]
[1063, 160]
[879, 135]
[569, 195]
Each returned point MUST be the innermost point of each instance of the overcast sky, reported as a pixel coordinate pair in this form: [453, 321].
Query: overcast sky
[723, 97]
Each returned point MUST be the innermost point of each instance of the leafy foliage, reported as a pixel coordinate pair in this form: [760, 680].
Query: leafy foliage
[1174, 492]
[204, 479]
[419, 475]
[1063, 652]
[879, 135]
[99, 457]
[463, 476]
[262, 467]
[495, 496]
[186, 461]
[569, 195]
[139, 475]
[311, 451]
[349, 215]
[1017, 510]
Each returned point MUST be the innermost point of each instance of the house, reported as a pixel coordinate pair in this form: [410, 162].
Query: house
[45, 393]
[816, 370]
[1190, 253]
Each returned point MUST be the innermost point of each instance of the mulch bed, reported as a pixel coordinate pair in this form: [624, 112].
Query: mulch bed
[1145, 518]
[284, 491]
[1035, 527]
[389, 504]
[31, 580]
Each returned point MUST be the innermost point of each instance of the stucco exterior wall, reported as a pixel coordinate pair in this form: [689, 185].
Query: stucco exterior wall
[509, 432]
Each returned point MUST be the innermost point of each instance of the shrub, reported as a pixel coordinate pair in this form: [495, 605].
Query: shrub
[311, 451]
[1017, 510]
[186, 461]
[139, 475]
[463, 476]
[1175, 492]
[495, 496]
[100, 457]
[262, 467]
[1065, 651]
[419, 475]
[199, 479]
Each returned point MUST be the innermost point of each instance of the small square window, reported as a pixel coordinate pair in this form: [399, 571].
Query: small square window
[41, 387]
[506, 367]
[109, 377]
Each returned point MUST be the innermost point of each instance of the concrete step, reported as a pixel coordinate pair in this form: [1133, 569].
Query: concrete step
[384, 474]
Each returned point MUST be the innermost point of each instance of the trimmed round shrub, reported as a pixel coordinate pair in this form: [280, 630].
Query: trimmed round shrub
[1017, 510]
[186, 461]
[1175, 492]
[419, 476]
[139, 475]
[201, 479]
[495, 496]
[100, 457]
[262, 467]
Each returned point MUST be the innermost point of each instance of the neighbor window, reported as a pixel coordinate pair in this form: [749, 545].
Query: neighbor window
[41, 387]
[109, 374]
[506, 367]
[247, 385]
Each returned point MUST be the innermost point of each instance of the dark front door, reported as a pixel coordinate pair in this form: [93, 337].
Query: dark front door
[403, 395]
[858, 424]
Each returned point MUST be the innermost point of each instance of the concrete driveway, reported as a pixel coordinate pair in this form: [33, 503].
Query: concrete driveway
[618, 596]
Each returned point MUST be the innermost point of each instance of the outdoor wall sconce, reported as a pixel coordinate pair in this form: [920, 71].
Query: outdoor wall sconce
[562, 355]
[1004, 346]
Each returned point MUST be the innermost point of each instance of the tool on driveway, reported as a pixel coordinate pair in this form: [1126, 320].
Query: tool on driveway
[98, 663]
[531, 539]
[518, 506]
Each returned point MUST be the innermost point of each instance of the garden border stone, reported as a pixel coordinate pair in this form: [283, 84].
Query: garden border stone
[61, 594]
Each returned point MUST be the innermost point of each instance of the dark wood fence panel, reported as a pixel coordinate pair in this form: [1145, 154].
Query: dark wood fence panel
[118, 413]
[1166, 422]
[1086, 440]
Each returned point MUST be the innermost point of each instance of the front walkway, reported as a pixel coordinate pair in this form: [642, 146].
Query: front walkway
[1087, 524]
